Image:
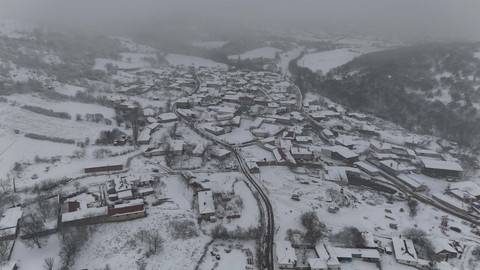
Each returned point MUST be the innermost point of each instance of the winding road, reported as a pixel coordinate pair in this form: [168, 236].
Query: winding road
[266, 207]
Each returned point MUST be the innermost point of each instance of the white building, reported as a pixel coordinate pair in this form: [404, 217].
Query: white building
[285, 255]
[206, 207]
[404, 251]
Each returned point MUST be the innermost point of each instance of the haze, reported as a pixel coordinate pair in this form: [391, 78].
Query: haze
[445, 18]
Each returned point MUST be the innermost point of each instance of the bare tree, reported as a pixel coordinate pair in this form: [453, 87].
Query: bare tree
[422, 244]
[48, 208]
[4, 248]
[32, 225]
[48, 263]
[412, 206]
[72, 241]
[5, 184]
[315, 228]
[152, 239]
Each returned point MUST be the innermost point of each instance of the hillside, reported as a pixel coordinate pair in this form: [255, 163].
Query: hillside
[431, 88]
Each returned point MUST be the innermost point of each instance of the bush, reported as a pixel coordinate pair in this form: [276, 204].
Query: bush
[422, 244]
[51, 113]
[183, 229]
[47, 138]
[102, 153]
[315, 228]
[107, 137]
[412, 205]
[350, 237]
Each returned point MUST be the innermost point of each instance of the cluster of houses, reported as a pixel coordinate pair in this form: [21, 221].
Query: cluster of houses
[328, 257]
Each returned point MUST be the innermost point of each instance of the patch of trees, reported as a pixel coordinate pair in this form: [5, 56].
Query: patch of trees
[251, 233]
[476, 253]
[72, 241]
[48, 138]
[396, 84]
[93, 117]
[51, 113]
[102, 153]
[412, 206]
[183, 229]
[349, 237]
[152, 239]
[422, 244]
[33, 225]
[107, 137]
[315, 228]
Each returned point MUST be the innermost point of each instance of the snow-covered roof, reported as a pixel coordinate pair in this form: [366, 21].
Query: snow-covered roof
[123, 183]
[380, 145]
[205, 202]
[342, 151]
[367, 167]
[8, 265]
[442, 244]
[445, 266]
[469, 187]
[130, 203]
[316, 263]
[395, 165]
[167, 116]
[326, 253]
[285, 253]
[353, 252]
[411, 180]
[10, 218]
[125, 194]
[85, 213]
[177, 145]
[404, 249]
[441, 165]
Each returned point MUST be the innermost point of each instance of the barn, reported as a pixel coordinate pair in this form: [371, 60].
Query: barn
[441, 169]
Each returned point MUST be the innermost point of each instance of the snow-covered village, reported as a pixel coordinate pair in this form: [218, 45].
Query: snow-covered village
[117, 154]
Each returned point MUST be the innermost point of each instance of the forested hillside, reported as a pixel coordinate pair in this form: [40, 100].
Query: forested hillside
[431, 88]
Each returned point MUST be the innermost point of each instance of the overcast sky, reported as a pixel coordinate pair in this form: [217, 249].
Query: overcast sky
[459, 18]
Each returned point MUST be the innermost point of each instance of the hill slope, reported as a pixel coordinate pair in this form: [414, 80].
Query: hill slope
[431, 88]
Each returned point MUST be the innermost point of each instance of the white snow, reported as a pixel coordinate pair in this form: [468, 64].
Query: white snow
[264, 52]
[186, 60]
[328, 60]
[209, 44]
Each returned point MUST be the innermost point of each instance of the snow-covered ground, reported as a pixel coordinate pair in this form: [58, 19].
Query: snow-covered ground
[286, 57]
[186, 60]
[328, 60]
[209, 44]
[264, 52]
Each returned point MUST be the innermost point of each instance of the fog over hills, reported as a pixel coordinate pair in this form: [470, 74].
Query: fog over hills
[444, 18]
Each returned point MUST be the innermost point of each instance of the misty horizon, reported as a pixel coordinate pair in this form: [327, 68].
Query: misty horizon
[199, 19]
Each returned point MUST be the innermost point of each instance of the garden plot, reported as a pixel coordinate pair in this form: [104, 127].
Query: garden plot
[257, 153]
[32, 257]
[237, 136]
[16, 148]
[117, 243]
[15, 118]
[72, 108]
[232, 256]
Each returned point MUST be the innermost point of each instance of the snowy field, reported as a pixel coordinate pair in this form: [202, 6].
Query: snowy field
[209, 44]
[235, 260]
[264, 52]
[186, 60]
[328, 60]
